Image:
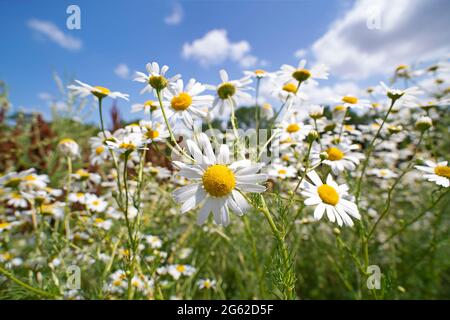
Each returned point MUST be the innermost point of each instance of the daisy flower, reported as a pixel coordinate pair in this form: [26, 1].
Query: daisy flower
[185, 103]
[267, 110]
[69, 147]
[153, 130]
[95, 203]
[206, 284]
[177, 270]
[156, 79]
[293, 129]
[340, 157]
[259, 74]
[279, 171]
[126, 142]
[351, 101]
[438, 173]
[229, 92]
[217, 182]
[329, 197]
[408, 97]
[84, 89]
[153, 241]
[288, 73]
[382, 173]
[148, 107]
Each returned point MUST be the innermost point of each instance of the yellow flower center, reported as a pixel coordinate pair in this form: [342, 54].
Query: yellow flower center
[157, 82]
[334, 154]
[285, 157]
[181, 102]
[66, 141]
[340, 108]
[282, 171]
[151, 104]
[95, 202]
[293, 127]
[401, 67]
[100, 92]
[259, 72]
[267, 106]
[218, 180]
[30, 178]
[152, 134]
[301, 74]
[350, 99]
[99, 150]
[181, 268]
[328, 194]
[290, 87]
[226, 90]
[82, 173]
[443, 171]
[4, 225]
[207, 284]
[127, 146]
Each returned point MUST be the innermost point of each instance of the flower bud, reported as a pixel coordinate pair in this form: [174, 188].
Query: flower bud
[69, 148]
[312, 136]
[424, 123]
[323, 156]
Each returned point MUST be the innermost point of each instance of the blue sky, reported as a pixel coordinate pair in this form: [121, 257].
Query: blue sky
[269, 32]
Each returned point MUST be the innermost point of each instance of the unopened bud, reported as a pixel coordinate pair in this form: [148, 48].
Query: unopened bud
[424, 123]
[312, 136]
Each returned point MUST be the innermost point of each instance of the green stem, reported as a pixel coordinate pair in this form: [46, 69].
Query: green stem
[369, 151]
[40, 292]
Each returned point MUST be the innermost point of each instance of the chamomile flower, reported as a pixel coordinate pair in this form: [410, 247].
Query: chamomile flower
[329, 197]
[148, 107]
[206, 284]
[178, 270]
[259, 74]
[83, 90]
[69, 148]
[438, 173]
[293, 129]
[153, 241]
[353, 102]
[382, 173]
[300, 74]
[126, 142]
[230, 92]
[185, 103]
[156, 79]
[408, 97]
[217, 182]
[95, 203]
[279, 171]
[267, 110]
[339, 157]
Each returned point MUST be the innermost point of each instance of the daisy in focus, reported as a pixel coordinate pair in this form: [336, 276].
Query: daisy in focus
[156, 79]
[184, 103]
[230, 92]
[438, 173]
[339, 157]
[217, 182]
[329, 197]
[288, 73]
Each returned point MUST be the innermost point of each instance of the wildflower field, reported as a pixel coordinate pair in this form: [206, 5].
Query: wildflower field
[212, 192]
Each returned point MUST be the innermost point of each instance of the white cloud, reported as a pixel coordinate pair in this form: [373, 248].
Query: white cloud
[176, 15]
[409, 30]
[215, 48]
[50, 31]
[122, 71]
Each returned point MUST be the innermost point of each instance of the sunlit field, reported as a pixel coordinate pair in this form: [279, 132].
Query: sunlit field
[239, 188]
